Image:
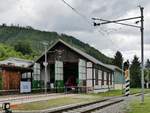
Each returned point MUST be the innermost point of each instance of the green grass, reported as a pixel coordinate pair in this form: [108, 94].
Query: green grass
[70, 100]
[54, 103]
[109, 93]
[137, 107]
[119, 92]
[138, 90]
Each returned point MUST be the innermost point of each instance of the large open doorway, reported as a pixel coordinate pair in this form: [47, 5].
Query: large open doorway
[70, 75]
[52, 73]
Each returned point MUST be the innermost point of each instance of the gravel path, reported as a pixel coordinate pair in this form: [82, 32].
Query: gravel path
[121, 107]
[117, 108]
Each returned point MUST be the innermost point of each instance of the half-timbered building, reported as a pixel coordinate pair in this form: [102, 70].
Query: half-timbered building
[69, 66]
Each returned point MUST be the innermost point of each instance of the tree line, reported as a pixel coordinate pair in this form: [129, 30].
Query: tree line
[135, 69]
[27, 40]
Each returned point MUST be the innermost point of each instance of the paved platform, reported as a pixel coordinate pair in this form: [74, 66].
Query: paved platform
[19, 99]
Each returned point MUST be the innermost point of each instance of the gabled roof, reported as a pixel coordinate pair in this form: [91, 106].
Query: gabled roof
[89, 57]
[15, 68]
[113, 67]
[16, 62]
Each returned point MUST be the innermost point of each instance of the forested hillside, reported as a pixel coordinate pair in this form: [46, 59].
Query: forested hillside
[26, 42]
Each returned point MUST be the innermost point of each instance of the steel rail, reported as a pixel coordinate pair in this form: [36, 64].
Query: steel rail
[65, 109]
[76, 106]
[102, 106]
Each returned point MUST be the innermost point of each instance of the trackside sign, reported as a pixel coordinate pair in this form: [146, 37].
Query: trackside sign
[25, 87]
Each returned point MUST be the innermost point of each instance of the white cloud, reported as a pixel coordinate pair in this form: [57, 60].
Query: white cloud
[54, 15]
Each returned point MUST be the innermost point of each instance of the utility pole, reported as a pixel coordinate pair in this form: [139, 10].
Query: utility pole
[142, 53]
[45, 65]
[142, 39]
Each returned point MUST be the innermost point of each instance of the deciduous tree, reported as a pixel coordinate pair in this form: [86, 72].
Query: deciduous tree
[23, 47]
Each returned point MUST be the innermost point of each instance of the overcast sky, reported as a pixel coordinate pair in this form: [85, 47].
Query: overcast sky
[54, 15]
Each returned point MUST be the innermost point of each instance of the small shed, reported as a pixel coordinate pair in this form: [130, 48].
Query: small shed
[119, 78]
[12, 72]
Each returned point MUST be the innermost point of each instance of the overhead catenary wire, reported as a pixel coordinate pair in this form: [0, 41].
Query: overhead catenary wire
[142, 44]
[107, 35]
[116, 22]
[76, 11]
[103, 32]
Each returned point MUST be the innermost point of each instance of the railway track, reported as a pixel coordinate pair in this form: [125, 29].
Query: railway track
[92, 106]
[89, 107]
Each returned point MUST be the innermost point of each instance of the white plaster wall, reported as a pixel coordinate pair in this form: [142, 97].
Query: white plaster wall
[94, 76]
[43, 73]
[101, 90]
[99, 77]
[99, 81]
[89, 74]
[113, 82]
[119, 86]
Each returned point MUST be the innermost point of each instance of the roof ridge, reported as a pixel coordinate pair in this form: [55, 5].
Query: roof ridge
[86, 55]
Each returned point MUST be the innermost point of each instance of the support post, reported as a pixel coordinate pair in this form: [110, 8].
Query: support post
[142, 41]
[45, 64]
[142, 55]
[122, 77]
[127, 84]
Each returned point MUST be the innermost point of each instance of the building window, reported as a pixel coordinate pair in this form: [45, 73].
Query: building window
[26, 75]
[107, 78]
[102, 78]
[58, 70]
[99, 74]
[36, 72]
[96, 76]
[82, 70]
